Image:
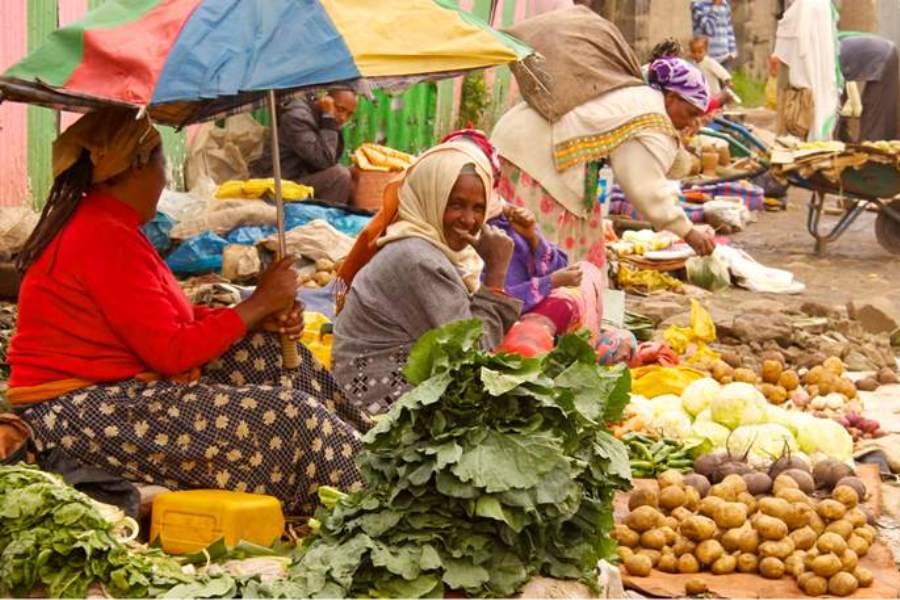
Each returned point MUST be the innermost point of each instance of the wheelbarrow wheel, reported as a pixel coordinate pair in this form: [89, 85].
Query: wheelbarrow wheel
[887, 229]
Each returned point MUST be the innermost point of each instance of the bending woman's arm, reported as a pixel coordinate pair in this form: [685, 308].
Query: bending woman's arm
[640, 171]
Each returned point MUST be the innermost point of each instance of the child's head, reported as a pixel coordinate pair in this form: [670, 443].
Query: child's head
[699, 47]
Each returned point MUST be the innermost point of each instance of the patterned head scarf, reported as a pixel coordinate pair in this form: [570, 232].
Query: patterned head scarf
[682, 78]
[114, 139]
[480, 139]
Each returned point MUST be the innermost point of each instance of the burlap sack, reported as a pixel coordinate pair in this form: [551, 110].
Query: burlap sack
[317, 239]
[224, 153]
[581, 56]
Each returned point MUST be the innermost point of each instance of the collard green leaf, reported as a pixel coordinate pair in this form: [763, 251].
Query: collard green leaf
[462, 574]
[499, 382]
[440, 349]
[500, 462]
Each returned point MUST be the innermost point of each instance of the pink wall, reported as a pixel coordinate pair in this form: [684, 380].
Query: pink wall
[13, 117]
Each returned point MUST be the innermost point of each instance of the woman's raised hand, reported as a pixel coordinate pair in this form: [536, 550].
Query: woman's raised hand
[496, 249]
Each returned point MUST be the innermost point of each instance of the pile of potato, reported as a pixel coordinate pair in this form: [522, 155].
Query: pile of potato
[728, 530]
[318, 275]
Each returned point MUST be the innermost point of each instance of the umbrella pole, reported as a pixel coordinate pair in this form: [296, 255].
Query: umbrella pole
[289, 353]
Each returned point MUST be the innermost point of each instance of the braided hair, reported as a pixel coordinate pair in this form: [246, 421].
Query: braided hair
[68, 189]
[668, 48]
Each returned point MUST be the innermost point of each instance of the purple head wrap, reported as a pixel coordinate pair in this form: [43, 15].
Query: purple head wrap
[681, 77]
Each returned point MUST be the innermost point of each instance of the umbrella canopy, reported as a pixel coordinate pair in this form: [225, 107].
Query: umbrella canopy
[188, 61]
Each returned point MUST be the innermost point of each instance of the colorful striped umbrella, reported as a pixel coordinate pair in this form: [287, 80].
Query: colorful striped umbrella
[188, 61]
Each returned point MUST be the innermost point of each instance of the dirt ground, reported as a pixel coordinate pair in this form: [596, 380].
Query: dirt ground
[853, 267]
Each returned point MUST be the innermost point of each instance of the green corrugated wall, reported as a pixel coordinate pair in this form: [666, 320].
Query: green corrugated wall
[43, 123]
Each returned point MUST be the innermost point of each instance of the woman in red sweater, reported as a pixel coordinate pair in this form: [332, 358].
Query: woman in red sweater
[112, 363]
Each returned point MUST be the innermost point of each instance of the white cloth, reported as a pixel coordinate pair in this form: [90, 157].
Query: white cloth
[715, 74]
[639, 165]
[806, 42]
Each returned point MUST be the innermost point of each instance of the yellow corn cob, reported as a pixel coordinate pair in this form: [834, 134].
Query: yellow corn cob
[362, 161]
[375, 156]
[391, 152]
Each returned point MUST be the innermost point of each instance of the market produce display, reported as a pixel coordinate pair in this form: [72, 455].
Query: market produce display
[492, 469]
[652, 456]
[751, 523]
[318, 274]
[375, 157]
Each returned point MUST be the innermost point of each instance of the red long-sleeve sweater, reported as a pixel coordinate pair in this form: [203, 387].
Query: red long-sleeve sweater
[101, 305]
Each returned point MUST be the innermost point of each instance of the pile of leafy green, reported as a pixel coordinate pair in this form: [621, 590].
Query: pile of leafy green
[53, 535]
[492, 469]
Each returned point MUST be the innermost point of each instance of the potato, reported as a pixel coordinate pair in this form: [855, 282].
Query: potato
[865, 534]
[687, 563]
[671, 497]
[745, 376]
[748, 540]
[624, 552]
[724, 492]
[666, 551]
[864, 576]
[643, 518]
[842, 584]
[671, 522]
[831, 542]
[781, 549]
[804, 538]
[811, 555]
[793, 495]
[774, 507]
[797, 516]
[692, 498]
[695, 587]
[653, 555]
[777, 395]
[826, 565]
[643, 497]
[683, 545]
[323, 278]
[843, 528]
[670, 477]
[638, 565]
[698, 529]
[730, 515]
[771, 371]
[803, 478]
[789, 380]
[814, 585]
[708, 552]
[834, 365]
[770, 528]
[849, 560]
[708, 505]
[814, 376]
[816, 522]
[736, 482]
[794, 564]
[858, 545]
[681, 513]
[747, 563]
[625, 536]
[856, 517]
[670, 534]
[668, 563]
[831, 510]
[653, 539]
[784, 482]
[725, 565]
[721, 370]
[771, 568]
[731, 538]
[846, 495]
[847, 388]
[324, 264]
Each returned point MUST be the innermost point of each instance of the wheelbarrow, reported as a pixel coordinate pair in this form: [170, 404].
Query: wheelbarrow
[874, 185]
[741, 143]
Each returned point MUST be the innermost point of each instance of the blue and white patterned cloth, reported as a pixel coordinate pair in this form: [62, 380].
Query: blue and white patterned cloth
[714, 22]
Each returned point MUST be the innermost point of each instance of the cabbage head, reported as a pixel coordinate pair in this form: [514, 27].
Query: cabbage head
[708, 435]
[767, 440]
[640, 406]
[666, 404]
[783, 417]
[697, 396]
[738, 404]
[675, 424]
[704, 417]
[825, 436]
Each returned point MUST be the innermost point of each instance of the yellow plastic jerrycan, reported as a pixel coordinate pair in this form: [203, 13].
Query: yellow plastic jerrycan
[190, 520]
[317, 337]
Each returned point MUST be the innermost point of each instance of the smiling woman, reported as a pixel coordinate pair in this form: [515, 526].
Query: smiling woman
[418, 266]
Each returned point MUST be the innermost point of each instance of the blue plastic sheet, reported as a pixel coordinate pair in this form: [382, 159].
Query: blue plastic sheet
[300, 213]
[249, 234]
[198, 254]
[158, 230]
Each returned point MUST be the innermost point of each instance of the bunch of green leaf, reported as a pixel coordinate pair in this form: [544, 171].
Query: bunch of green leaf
[492, 469]
[53, 535]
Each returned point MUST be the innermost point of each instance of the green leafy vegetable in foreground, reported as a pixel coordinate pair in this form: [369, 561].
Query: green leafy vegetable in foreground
[53, 535]
[492, 469]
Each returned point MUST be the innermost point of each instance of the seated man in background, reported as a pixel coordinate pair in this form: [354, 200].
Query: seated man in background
[310, 144]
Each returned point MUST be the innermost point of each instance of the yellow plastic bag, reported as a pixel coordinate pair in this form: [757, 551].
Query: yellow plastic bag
[653, 380]
[701, 332]
[319, 344]
[646, 280]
